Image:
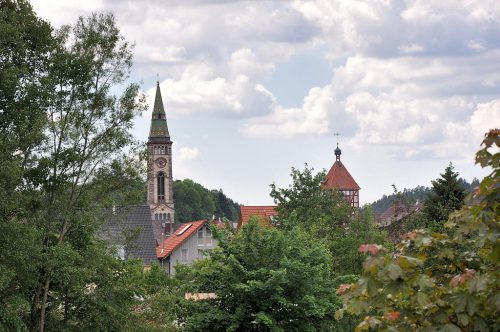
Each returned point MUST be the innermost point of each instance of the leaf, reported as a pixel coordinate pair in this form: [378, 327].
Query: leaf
[394, 271]
[343, 288]
[425, 282]
[373, 249]
[463, 319]
[446, 253]
[450, 328]
[392, 315]
[406, 262]
[422, 299]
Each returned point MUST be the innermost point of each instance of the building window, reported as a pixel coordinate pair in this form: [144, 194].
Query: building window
[200, 237]
[208, 235]
[168, 228]
[168, 216]
[120, 252]
[184, 255]
[161, 186]
[156, 216]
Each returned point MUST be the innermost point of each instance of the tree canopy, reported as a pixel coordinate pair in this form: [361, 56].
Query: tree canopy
[62, 132]
[195, 202]
[326, 216]
[265, 280]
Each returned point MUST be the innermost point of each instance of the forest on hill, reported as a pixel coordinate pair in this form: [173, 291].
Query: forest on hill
[194, 202]
[417, 194]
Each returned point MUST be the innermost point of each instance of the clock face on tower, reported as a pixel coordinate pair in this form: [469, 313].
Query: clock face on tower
[161, 162]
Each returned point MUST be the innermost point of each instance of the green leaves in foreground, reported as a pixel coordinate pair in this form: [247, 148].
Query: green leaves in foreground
[437, 282]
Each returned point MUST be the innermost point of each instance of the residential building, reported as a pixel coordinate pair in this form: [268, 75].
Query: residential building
[129, 232]
[188, 243]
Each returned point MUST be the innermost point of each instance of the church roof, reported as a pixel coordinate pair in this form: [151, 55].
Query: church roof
[338, 177]
[130, 227]
[185, 231]
[159, 127]
[265, 213]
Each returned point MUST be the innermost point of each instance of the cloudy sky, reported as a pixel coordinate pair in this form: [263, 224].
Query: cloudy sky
[252, 88]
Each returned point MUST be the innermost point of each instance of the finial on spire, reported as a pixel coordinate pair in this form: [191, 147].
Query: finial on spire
[338, 152]
[157, 79]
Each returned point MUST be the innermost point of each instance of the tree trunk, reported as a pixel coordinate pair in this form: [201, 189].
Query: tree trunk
[34, 305]
[44, 303]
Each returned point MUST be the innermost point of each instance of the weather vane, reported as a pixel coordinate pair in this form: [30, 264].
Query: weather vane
[337, 134]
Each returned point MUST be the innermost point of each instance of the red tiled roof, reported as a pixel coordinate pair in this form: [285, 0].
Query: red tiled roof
[263, 212]
[338, 177]
[175, 240]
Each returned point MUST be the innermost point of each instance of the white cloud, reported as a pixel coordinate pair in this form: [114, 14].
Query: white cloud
[407, 75]
[312, 118]
[486, 117]
[199, 90]
[187, 153]
[170, 53]
[412, 48]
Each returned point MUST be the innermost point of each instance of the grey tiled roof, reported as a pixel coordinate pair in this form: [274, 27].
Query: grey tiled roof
[131, 226]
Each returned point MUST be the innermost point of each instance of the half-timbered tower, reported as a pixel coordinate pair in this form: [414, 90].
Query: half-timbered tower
[339, 178]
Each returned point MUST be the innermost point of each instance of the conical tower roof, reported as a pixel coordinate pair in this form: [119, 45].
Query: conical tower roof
[159, 127]
[338, 176]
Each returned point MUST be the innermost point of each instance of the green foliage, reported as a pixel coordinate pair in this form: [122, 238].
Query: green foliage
[160, 304]
[224, 206]
[413, 195]
[265, 280]
[438, 281]
[26, 45]
[61, 135]
[447, 195]
[410, 196]
[326, 216]
[195, 202]
[192, 201]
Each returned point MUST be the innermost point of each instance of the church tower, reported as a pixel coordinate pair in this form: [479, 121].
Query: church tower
[339, 178]
[159, 180]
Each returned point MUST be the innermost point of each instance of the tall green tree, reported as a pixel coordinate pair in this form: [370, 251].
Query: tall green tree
[447, 195]
[63, 126]
[327, 216]
[438, 281]
[224, 206]
[192, 201]
[26, 49]
[265, 279]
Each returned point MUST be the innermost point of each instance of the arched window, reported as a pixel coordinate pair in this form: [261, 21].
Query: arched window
[168, 216]
[161, 186]
[156, 216]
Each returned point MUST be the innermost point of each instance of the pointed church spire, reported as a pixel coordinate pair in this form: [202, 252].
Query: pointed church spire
[159, 127]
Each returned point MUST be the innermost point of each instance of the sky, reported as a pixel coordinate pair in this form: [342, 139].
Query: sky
[253, 88]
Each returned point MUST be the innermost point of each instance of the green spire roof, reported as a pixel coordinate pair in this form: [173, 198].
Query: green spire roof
[159, 128]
